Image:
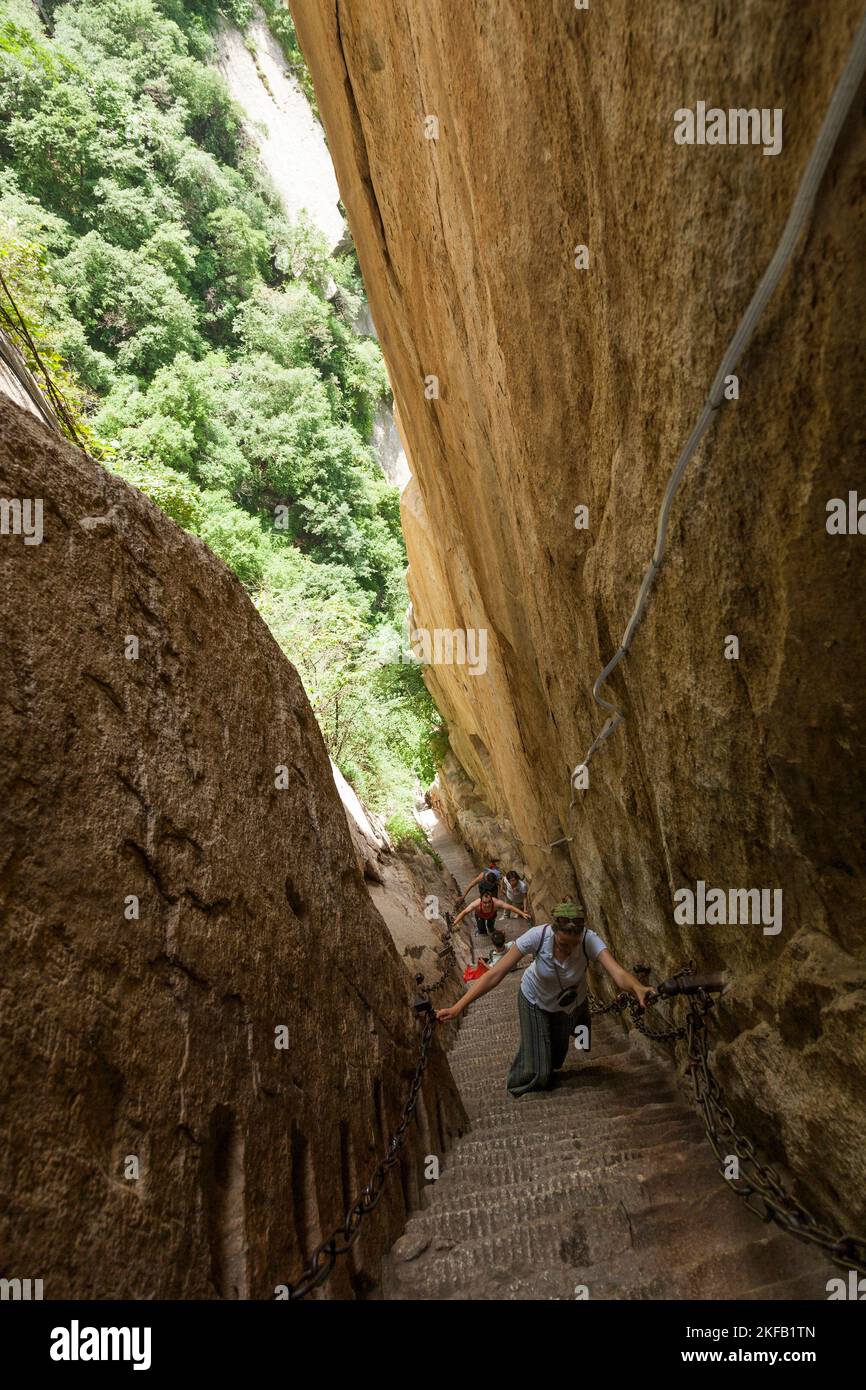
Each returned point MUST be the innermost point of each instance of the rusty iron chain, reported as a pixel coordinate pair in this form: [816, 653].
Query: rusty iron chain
[627, 1001]
[343, 1237]
[445, 956]
[761, 1187]
[617, 1004]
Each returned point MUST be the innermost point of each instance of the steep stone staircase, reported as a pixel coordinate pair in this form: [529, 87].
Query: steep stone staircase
[603, 1187]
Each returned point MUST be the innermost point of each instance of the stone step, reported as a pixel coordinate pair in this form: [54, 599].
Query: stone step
[605, 1182]
[608, 1261]
[603, 1130]
[760, 1266]
[650, 1173]
[461, 1216]
[501, 1121]
[646, 1158]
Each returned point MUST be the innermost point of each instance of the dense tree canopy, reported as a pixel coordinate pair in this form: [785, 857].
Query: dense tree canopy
[206, 342]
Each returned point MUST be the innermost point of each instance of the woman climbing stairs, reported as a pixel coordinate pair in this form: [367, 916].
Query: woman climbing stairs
[602, 1188]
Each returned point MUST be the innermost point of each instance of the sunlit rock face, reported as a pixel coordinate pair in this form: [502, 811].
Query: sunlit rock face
[558, 387]
[290, 141]
[292, 148]
[207, 1033]
[18, 384]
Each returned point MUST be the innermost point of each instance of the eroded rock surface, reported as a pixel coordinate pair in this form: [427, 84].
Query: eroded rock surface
[412, 891]
[153, 1037]
[560, 387]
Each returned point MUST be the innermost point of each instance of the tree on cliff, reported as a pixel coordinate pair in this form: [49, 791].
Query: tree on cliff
[205, 341]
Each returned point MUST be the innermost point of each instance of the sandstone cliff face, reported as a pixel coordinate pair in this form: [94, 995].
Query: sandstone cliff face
[559, 387]
[154, 1038]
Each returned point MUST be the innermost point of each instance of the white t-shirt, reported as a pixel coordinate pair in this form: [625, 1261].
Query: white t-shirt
[543, 981]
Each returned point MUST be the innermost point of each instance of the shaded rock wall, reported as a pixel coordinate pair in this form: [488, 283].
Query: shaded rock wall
[155, 1037]
[388, 446]
[487, 836]
[412, 892]
[560, 387]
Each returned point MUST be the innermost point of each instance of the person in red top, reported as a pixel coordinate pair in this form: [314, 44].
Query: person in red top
[485, 909]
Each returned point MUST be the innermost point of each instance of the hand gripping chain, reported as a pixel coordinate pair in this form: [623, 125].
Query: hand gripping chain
[760, 1187]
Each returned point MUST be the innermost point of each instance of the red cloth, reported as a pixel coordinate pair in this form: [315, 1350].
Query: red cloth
[474, 972]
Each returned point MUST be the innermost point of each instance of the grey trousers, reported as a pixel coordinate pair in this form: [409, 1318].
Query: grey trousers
[544, 1039]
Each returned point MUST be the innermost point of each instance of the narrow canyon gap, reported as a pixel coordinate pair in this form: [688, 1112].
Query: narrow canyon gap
[560, 387]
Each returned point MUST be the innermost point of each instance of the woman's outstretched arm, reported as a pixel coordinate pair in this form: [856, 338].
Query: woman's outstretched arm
[623, 979]
[510, 907]
[489, 980]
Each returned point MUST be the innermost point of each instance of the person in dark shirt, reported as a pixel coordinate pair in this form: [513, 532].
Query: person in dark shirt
[489, 878]
[485, 908]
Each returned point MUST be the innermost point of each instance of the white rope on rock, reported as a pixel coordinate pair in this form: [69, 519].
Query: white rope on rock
[837, 112]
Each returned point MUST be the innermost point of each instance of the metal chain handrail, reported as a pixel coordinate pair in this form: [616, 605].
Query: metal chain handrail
[324, 1257]
[761, 1188]
[762, 1184]
[446, 956]
[841, 102]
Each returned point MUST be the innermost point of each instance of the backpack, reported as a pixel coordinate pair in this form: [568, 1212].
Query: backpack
[490, 884]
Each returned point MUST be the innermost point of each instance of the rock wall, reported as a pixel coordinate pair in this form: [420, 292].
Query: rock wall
[18, 383]
[388, 446]
[456, 798]
[291, 145]
[559, 387]
[289, 139]
[147, 785]
[412, 892]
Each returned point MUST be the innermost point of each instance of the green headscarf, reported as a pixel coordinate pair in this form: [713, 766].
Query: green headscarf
[572, 910]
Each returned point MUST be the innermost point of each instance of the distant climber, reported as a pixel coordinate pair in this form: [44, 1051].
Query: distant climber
[488, 879]
[552, 999]
[497, 941]
[485, 908]
[516, 889]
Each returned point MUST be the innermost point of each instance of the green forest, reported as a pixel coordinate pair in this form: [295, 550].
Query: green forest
[205, 348]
